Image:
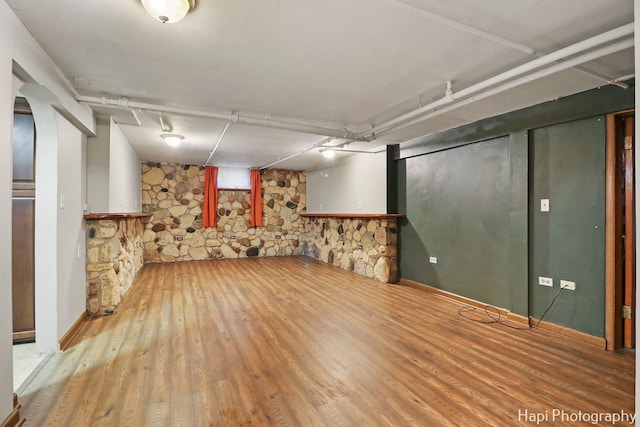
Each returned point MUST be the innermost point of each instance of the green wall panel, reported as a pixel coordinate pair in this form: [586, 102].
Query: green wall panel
[462, 208]
[567, 164]
[472, 199]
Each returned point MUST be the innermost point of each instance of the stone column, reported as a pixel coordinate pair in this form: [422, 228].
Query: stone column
[114, 258]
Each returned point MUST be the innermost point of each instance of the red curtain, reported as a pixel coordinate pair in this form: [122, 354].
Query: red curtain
[256, 198]
[210, 205]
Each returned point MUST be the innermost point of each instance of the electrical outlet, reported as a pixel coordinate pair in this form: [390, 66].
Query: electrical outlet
[545, 281]
[570, 286]
[433, 260]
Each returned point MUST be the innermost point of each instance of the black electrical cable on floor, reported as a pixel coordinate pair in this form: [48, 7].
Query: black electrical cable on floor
[496, 317]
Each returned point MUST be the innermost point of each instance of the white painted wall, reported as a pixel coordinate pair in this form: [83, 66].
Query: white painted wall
[46, 228]
[6, 170]
[356, 184]
[98, 169]
[45, 87]
[113, 171]
[71, 293]
[32, 64]
[125, 172]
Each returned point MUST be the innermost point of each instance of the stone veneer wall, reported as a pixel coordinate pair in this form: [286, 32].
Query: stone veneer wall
[114, 257]
[173, 194]
[365, 246]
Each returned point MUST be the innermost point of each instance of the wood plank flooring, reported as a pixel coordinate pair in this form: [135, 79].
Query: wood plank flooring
[291, 341]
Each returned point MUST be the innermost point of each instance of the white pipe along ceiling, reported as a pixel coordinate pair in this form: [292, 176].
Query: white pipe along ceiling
[568, 57]
[617, 33]
[295, 77]
[124, 103]
[485, 35]
[616, 47]
[220, 138]
[284, 159]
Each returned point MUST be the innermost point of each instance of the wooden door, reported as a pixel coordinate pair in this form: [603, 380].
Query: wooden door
[620, 234]
[628, 237]
[23, 205]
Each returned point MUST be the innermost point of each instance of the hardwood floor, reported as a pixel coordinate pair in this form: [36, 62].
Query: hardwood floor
[294, 342]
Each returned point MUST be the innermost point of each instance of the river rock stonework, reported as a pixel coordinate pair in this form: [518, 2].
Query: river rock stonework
[365, 246]
[174, 194]
[114, 258]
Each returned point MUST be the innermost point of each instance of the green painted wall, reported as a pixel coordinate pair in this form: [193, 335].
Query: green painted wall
[465, 209]
[472, 199]
[567, 243]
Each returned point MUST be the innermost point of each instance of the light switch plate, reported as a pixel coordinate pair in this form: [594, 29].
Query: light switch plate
[544, 205]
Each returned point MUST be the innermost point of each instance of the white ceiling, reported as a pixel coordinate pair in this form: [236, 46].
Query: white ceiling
[335, 64]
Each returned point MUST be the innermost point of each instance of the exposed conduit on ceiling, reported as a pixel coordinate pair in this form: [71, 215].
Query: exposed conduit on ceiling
[217, 144]
[485, 35]
[545, 65]
[624, 44]
[415, 10]
[550, 61]
[620, 81]
[165, 126]
[306, 150]
[347, 150]
[321, 144]
[451, 99]
[135, 117]
[125, 104]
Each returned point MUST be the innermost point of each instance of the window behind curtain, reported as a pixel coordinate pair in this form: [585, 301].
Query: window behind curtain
[234, 178]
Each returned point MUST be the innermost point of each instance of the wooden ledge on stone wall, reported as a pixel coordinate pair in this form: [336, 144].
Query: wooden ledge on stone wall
[353, 215]
[117, 215]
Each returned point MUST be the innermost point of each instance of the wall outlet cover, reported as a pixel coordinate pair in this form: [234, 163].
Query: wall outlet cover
[545, 281]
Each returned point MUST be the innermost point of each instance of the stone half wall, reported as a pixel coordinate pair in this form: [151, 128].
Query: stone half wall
[114, 258]
[365, 246]
[174, 194]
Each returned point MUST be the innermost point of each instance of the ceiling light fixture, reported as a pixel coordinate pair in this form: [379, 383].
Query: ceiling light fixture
[328, 153]
[172, 139]
[168, 11]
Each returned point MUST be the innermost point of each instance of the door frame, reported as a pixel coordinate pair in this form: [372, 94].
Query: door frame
[613, 279]
[25, 189]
